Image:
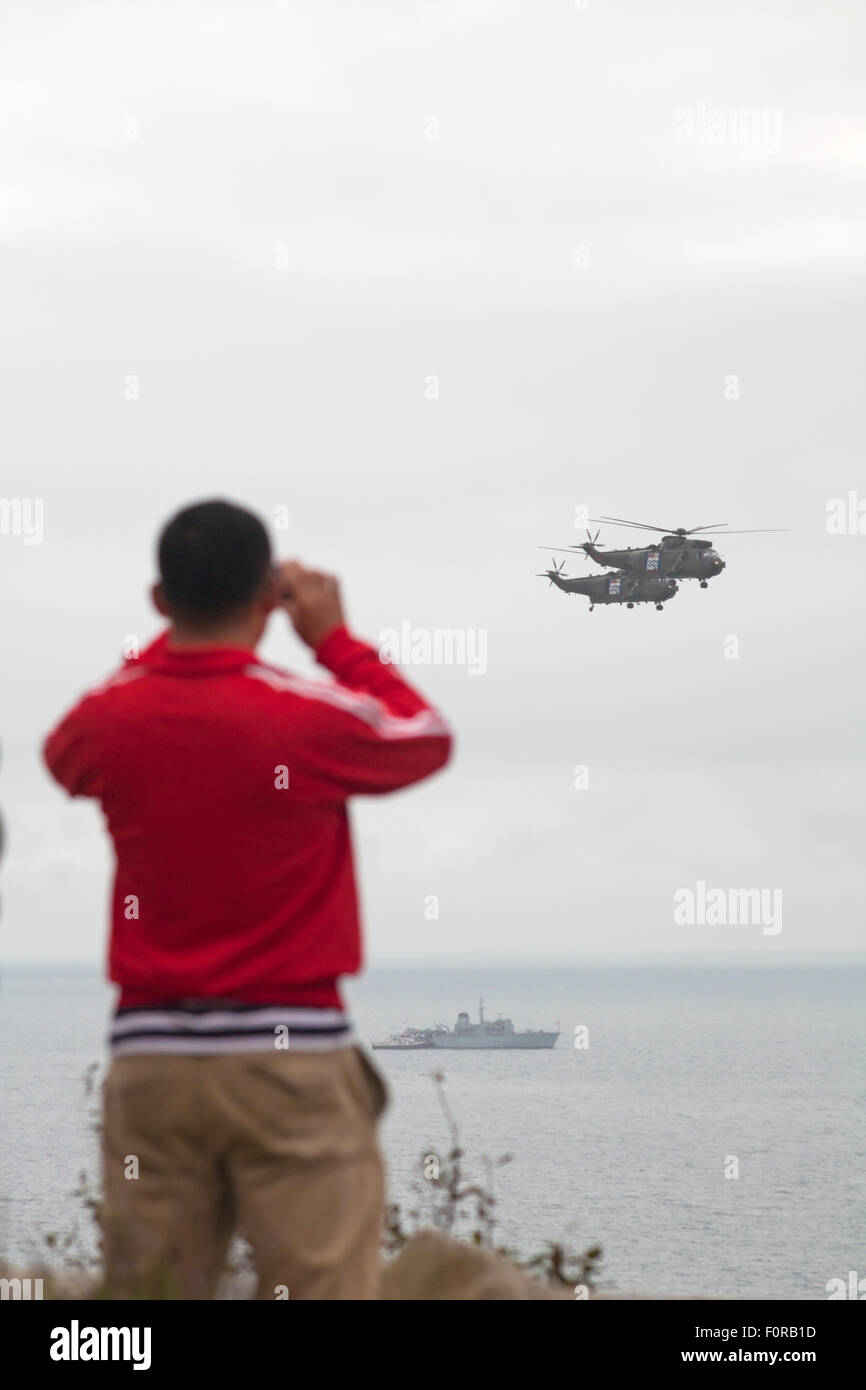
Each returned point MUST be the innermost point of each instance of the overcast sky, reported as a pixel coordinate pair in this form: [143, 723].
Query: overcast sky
[239, 241]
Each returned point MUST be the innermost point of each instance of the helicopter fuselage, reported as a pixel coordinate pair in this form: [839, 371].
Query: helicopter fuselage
[676, 556]
[622, 587]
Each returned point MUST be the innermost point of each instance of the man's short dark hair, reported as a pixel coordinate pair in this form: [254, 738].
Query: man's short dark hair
[213, 558]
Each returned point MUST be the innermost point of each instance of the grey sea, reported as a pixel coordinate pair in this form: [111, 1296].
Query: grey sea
[711, 1136]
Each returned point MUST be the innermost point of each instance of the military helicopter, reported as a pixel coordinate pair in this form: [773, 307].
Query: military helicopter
[682, 552]
[621, 587]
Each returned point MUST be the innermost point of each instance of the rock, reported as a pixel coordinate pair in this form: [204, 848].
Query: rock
[433, 1267]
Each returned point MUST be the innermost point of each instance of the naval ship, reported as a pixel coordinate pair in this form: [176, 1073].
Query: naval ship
[487, 1033]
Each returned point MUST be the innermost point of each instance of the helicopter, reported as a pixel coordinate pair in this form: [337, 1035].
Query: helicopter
[619, 587]
[683, 552]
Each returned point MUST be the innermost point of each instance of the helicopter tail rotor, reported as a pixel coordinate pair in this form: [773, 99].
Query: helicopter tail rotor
[556, 569]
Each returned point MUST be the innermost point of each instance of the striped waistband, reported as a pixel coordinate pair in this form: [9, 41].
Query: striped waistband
[203, 1029]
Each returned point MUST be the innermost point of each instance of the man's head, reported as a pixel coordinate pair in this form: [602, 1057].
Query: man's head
[216, 577]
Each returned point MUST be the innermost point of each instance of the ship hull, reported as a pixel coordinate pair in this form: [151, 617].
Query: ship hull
[457, 1042]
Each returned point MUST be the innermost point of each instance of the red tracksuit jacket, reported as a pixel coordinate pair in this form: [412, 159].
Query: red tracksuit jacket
[229, 883]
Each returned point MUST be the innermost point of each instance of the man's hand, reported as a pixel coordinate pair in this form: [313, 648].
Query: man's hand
[311, 599]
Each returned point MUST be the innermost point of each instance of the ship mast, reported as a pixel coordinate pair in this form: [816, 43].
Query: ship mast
[481, 1010]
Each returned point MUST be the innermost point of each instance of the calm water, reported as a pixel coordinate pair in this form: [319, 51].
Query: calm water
[624, 1143]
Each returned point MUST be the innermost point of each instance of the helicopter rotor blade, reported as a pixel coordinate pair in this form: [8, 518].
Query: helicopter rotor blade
[642, 525]
[672, 530]
[717, 528]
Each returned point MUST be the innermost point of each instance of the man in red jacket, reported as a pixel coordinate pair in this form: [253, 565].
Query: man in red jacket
[236, 1098]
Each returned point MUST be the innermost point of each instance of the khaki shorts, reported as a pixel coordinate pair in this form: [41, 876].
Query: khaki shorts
[279, 1146]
